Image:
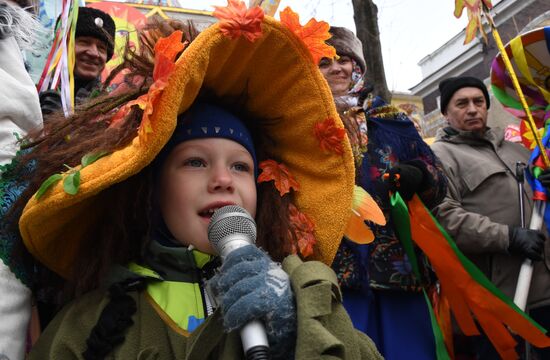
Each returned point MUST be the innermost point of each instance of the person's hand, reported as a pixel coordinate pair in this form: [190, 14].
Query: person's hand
[544, 179]
[251, 286]
[526, 242]
[50, 101]
[405, 179]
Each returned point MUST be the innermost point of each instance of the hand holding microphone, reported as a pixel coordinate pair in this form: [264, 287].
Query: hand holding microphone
[251, 287]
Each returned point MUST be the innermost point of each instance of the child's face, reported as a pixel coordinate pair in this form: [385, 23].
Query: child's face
[200, 176]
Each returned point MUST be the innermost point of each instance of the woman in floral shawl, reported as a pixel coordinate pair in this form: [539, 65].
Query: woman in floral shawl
[381, 292]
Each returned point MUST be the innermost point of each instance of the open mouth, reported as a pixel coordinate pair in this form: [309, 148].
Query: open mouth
[207, 212]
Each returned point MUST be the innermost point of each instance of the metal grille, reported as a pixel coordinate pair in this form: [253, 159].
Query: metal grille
[228, 220]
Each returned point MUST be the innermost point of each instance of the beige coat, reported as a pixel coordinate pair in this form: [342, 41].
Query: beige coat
[482, 200]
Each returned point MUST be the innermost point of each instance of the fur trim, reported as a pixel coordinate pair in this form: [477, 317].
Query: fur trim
[346, 43]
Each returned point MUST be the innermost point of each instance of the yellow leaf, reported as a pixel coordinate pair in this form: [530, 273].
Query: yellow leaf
[474, 9]
[366, 207]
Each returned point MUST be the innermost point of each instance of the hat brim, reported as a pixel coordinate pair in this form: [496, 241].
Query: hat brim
[281, 81]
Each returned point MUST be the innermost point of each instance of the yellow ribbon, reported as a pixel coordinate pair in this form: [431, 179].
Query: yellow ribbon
[521, 61]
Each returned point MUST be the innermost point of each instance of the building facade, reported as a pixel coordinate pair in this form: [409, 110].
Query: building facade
[511, 17]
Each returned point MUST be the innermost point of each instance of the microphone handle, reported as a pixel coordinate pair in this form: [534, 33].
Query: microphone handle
[253, 336]
[254, 339]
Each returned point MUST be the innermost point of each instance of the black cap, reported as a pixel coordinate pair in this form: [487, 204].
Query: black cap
[449, 86]
[95, 23]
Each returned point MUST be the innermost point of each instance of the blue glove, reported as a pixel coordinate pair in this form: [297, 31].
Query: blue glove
[250, 286]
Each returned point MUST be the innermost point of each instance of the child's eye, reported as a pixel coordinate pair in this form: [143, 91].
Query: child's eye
[241, 167]
[194, 162]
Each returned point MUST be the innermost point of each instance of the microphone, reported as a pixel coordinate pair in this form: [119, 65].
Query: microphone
[231, 227]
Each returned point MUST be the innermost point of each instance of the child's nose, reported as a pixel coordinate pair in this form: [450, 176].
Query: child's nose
[221, 179]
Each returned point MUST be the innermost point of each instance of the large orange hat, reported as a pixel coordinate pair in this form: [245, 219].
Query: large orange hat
[278, 72]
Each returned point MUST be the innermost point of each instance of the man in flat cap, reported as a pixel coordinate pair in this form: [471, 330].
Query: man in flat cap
[481, 210]
[94, 46]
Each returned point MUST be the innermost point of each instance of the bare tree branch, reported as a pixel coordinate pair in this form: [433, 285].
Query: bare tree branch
[365, 14]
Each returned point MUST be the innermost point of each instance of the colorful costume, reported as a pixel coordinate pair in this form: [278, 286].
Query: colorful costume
[381, 292]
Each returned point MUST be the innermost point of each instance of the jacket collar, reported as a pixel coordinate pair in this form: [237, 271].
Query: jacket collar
[495, 136]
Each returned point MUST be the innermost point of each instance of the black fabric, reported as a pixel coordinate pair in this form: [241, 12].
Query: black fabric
[407, 179]
[449, 86]
[115, 318]
[50, 101]
[544, 179]
[526, 242]
[103, 29]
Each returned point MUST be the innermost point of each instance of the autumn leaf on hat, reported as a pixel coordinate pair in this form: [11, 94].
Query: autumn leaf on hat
[284, 181]
[313, 34]
[166, 50]
[474, 9]
[236, 20]
[330, 136]
[302, 228]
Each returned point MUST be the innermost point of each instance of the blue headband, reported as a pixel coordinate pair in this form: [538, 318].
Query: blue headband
[204, 120]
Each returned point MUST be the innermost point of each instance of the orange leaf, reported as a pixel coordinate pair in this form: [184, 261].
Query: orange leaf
[357, 231]
[166, 50]
[284, 181]
[147, 103]
[313, 34]
[330, 136]
[170, 46]
[163, 68]
[303, 228]
[236, 20]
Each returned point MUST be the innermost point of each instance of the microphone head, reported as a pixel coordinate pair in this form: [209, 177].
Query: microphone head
[230, 220]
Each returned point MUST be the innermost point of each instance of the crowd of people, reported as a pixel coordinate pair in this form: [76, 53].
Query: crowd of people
[109, 214]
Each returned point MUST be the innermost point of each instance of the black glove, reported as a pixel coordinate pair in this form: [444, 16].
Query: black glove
[50, 101]
[526, 242]
[407, 179]
[544, 179]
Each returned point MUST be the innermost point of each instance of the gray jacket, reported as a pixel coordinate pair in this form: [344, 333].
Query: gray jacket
[482, 200]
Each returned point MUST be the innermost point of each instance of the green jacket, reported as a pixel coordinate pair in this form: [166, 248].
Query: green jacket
[324, 329]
